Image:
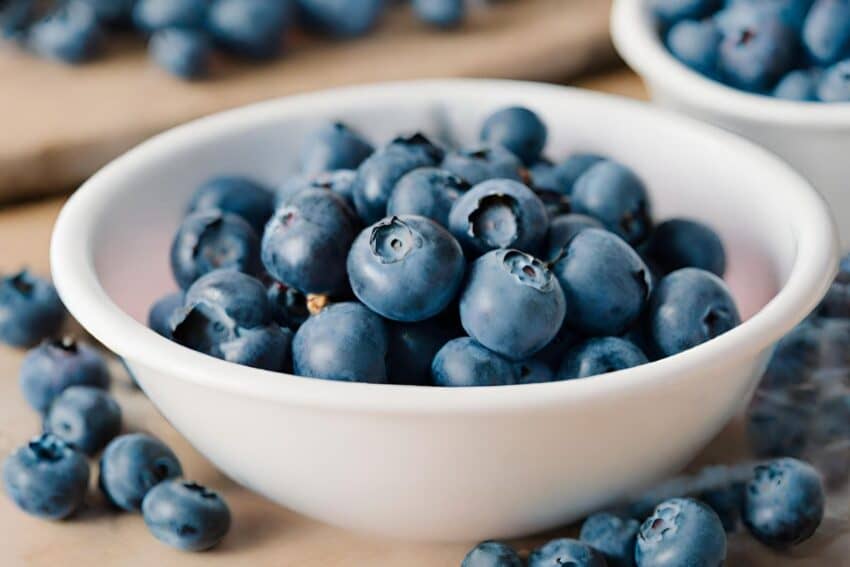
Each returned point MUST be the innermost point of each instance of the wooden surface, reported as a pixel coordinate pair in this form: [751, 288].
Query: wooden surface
[60, 124]
[264, 534]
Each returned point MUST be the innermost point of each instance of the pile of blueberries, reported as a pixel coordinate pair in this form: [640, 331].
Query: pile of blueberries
[184, 34]
[478, 266]
[67, 382]
[791, 49]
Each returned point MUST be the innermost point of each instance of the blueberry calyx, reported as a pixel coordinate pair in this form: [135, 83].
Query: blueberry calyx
[528, 270]
[496, 220]
[47, 448]
[21, 283]
[392, 240]
[202, 491]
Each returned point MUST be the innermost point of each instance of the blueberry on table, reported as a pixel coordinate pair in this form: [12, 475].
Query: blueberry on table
[755, 56]
[672, 11]
[341, 18]
[236, 195]
[613, 536]
[186, 515]
[499, 213]
[209, 240]
[562, 229]
[333, 146]
[826, 32]
[492, 554]
[47, 478]
[681, 531]
[696, 44]
[480, 163]
[183, 53]
[517, 129]
[250, 28]
[440, 13]
[16, 17]
[154, 15]
[53, 366]
[162, 313]
[835, 83]
[605, 282]
[30, 310]
[236, 296]
[70, 34]
[133, 464]
[512, 303]
[800, 85]
[84, 417]
[566, 552]
[463, 362]
[428, 192]
[600, 356]
[687, 308]
[685, 243]
[345, 342]
[783, 503]
[412, 347]
[777, 426]
[533, 371]
[340, 181]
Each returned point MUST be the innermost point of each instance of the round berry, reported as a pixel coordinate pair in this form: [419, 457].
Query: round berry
[480, 163]
[333, 146]
[562, 229]
[235, 195]
[463, 362]
[186, 515]
[517, 129]
[30, 310]
[600, 356]
[492, 554]
[183, 53]
[683, 243]
[133, 464]
[162, 313]
[613, 536]
[427, 192]
[565, 552]
[249, 28]
[681, 531]
[85, 417]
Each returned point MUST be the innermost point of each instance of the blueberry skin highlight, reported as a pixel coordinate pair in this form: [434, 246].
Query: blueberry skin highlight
[499, 213]
[800, 85]
[687, 308]
[234, 295]
[684, 243]
[69, 34]
[412, 348]
[605, 283]
[492, 554]
[613, 536]
[344, 342]
[30, 310]
[444, 14]
[427, 192]
[332, 146]
[681, 531]
[480, 163]
[518, 130]
[600, 356]
[249, 28]
[186, 515]
[162, 313]
[562, 229]
[566, 552]
[826, 31]
[153, 15]
[183, 53]
[340, 181]
[463, 362]
[784, 503]
[406, 268]
[835, 83]
[236, 195]
[47, 478]
[696, 44]
[86, 418]
[341, 18]
[754, 57]
[616, 197]
[53, 366]
[133, 464]
[512, 304]
[209, 240]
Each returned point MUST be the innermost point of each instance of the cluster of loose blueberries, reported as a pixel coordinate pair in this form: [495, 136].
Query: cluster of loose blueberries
[479, 266]
[183, 34]
[791, 49]
[67, 382]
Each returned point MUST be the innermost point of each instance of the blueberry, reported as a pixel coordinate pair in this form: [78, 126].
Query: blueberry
[613, 536]
[480, 163]
[333, 146]
[236, 296]
[687, 308]
[344, 342]
[209, 240]
[183, 53]
[267, 348]
[133, 464]
[463, 362]
[727, 502]
[615, 196]
[562, 229]
[672, 11]
[154, 15]
[519, 130]
[84, 417]
[826, 32]
[162, 313]
[681, 531]
[568, 171]
[378, 174]
[533, 371]
[406, 268]
[113, 12]
[30, 310]
[440, 13]
[790, 12]
[836, 304]
[307, 241]
[428, 192]
[835, 84]
[512, 304]
[186, 515]
[600, 356]
[235, 195]
[696, 44]
[47, 478]
[341, 18]
[684, 243]
[16, 16]
[553, 353]
[412, 347]
[499, 213]
[754, 56]
[70, 33]
[784, 503]
[249, 28]
[776, 426]
[800, 85]
[492, 554]
[340, 181]
[289, 306]
[605, 282]
[53, 366]
[566, 552]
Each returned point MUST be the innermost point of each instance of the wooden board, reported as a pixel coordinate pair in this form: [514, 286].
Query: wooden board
[60, 124]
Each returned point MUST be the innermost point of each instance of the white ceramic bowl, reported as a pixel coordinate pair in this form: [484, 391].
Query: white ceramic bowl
[447, 464]
[812, 137]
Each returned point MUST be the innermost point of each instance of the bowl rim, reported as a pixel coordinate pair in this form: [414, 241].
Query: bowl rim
[75, 277]
[636, 38]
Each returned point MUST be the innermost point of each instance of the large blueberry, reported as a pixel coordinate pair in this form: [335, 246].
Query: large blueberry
[672, 11]
[562, 229]
[53, 366]
[492, 554]
[687, 308]
[340, 181]
[499, 213]
[696, 44]
[480, 163]
[234, 295]
[428, 192]
[463, 362]
[681, 531]
[512, 303]
[47, 478]
[85, 417]
[153, 15]
[250, 28]
[605, 282]
[566, 552]
[406, 268]
[341, 18]
[519, 130]
[237, 195]
[755, 55]
[344, 342]
[600, 356]
[412, 347]
[835, 83]
[209, 240]
[333, 146]
[186, 515]
[440, 13]
[800, 85]
[30, 310]
[133, 464]
[684, 243]
[70, 33]
[826, 32]
[613, 536]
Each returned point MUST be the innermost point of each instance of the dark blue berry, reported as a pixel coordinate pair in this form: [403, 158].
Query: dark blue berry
[463, 362]
[681, 532]
[154, 15]
[801, 85]
[186, 515]
[565, 551]
[427, 192]
[754, 56]
[183, 53]
[440, 13]
[234, 295]
[835, 83]
[600, 356]
[517, 129]
[613, 536]
[341, 18]
[727, 502]
[117, 13]
[568, 171]
[340, 181]
[236, 195]
[70, 34]
[685, 243]
[826, 32]
[480, 163]
[562, 229]
[249, 28]
[553, 353]
[16, 16]
[412, 347]
[492, 554]
[289, 306]
[333, 146]
[30, 310]
[672, 11]
[533, 371]
[696, 44]
[162, 313]
[85, 417]
[133, 464]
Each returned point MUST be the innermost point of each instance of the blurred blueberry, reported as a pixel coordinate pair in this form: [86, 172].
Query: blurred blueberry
[480, 163]
[30, 310]
[790, 12]
[85, 417]
[133, 464]
[600, 356]
[16, 16]
[153, 15]
[332, 146]
[826, 33]
[412, 347]
[672, 11]
[685, 243]
[533, 371]
[236, 195]
[250, 28]
[835, 83]
[70, 33]
[566, 552]
[341, 18]
[562, 229]
[186, 515]
[463, 362]
[440, 13]
[696, 44]
[755, 56]
[492, 554]
[519, 130]
[113, 12]
[777, 426]
[183, 53]
[800, 85]
[162, 313]
[681, 532]
[428, 192]
[613, 536]
[567, 172]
